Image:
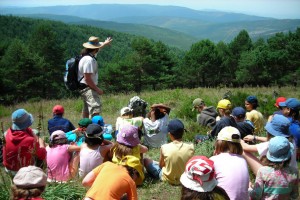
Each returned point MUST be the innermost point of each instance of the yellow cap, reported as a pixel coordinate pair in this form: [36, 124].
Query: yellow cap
[134, 162]
[224, 104]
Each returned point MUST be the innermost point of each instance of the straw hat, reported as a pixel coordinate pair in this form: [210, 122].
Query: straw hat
[93, 43]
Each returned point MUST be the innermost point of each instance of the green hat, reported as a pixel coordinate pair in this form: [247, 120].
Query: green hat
[84, 122]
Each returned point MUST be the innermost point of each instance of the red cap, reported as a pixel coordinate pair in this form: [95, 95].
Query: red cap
[279, 100]
[58, 110]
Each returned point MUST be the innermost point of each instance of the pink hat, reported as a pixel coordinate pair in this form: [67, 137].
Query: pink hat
[128, 135]
[58, 135]
[279, 100]
[199, 174]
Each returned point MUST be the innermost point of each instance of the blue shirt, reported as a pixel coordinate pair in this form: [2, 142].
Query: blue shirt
[59, 123]
[295, 130]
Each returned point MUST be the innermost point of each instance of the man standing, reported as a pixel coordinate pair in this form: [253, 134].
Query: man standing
[88, 76]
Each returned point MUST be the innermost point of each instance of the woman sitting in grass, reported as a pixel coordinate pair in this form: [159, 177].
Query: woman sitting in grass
[155, 126]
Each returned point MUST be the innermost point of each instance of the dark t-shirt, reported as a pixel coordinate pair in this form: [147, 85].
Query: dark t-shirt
[59, 123]
[223, 122]
[245, 128]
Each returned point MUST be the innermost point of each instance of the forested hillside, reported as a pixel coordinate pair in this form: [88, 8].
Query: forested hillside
[174, 25]
[33, 55]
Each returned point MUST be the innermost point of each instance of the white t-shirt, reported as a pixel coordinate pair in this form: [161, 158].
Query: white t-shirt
[232, 175]
[262, 149]
[87, 64]
[155, 133]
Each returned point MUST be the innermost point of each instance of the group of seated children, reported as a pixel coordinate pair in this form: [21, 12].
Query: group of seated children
[112, 170]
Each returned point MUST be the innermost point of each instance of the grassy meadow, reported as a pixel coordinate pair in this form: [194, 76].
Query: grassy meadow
[180, 101]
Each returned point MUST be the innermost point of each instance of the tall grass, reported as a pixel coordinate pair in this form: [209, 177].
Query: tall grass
[180, 101]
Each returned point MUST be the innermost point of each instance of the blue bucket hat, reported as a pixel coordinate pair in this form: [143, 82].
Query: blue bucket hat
[21, 119]
[291, 103]
[279, 126]
[280, 149]
[98, 120]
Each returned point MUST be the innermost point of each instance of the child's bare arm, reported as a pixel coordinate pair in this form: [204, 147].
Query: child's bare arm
[248, 147]
[73, 148]
[143, 149]
[89, 179]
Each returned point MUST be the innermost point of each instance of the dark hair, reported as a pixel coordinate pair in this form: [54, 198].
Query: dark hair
[86, 51]
[226, 146]
[253, 104]
[131, 171]
[20, 193]
[241, 116]
[158, 114]
[61, 141]
[294, 114]
[177, 134]
[216, 193]
[276, 165]
[120, 150]
[91, 141]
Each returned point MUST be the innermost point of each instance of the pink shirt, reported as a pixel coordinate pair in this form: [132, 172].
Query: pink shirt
[89, 159]
[232, 175]
[58, 158]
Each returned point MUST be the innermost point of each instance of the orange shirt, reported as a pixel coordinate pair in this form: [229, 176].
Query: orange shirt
[112, 182]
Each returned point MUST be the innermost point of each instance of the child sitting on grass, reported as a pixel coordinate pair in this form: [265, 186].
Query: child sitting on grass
[94, 151]
[230, 166]
[29, 183]
[173, 156]
[113, 181]
[62, 163]
[128, 143]
[107, 128]
[77, 135]
[199, 182]
[277, 180]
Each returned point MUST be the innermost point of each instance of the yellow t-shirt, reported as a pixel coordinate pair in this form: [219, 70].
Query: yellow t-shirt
[175, 154]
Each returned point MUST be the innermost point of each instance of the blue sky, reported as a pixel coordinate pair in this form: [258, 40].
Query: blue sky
[267, 8]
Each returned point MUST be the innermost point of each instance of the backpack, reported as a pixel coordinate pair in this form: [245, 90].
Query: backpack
[71, 75]
[138, 106]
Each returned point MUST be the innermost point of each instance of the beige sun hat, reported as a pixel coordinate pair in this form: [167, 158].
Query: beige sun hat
[93, 43]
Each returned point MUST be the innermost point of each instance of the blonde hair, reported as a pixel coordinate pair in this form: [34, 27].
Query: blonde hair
[121, 150]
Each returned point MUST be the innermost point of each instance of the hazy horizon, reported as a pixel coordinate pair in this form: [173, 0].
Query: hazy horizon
[281, 9]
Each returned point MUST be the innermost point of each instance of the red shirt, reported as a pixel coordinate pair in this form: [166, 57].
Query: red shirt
[21, 149]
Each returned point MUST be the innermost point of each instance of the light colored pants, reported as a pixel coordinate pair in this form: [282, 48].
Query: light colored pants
[91, 101]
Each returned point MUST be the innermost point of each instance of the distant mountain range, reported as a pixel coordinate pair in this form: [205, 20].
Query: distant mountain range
[176, 26]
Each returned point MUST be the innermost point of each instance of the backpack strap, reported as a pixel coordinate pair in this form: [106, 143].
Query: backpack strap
[82, 85]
